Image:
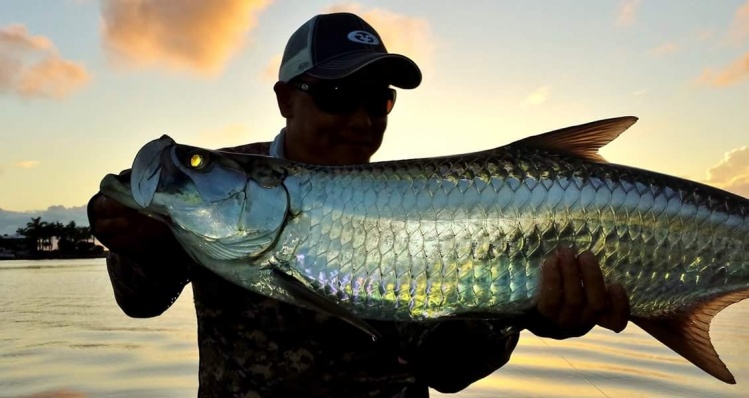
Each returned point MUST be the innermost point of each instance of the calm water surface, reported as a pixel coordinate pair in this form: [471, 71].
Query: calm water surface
[60, 329]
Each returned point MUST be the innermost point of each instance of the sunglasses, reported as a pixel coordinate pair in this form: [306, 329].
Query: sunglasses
[337, 98]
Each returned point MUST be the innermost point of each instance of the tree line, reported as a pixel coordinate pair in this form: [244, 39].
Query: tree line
[70, 237]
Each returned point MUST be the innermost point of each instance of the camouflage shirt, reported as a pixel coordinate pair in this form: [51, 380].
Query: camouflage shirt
[252, 346]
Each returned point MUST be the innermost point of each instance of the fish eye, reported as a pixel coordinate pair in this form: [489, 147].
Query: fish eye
[198, 161]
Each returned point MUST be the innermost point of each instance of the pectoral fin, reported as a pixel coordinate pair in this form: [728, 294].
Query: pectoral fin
[313, 300]
[689, 335]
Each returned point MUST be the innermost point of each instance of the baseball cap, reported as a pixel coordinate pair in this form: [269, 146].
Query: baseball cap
[336, 45]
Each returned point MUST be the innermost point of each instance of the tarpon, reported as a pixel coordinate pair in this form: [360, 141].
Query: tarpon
[455, 236]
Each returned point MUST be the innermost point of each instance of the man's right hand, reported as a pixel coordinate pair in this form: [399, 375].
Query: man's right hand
[124, 230]
[147, 266]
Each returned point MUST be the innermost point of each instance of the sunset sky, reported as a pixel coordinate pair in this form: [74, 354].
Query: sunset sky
[84, 84]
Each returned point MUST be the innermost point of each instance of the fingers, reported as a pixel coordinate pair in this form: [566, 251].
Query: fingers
[595, 288]
[122, 229]
[574, 296]
[550, 299]
[617, 316]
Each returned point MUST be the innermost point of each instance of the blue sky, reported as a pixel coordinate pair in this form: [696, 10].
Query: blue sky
[84, 84]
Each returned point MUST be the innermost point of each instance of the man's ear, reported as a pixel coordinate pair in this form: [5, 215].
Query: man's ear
[283, 97]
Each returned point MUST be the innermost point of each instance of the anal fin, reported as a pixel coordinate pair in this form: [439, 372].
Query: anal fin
[689, 334]
[313, 300]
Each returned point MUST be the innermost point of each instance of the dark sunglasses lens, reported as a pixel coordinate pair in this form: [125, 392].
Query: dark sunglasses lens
[334, 100]
[337, 100]
[380, 103]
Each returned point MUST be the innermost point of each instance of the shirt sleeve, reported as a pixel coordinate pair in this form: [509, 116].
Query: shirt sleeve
[452, 355]
[148, 286]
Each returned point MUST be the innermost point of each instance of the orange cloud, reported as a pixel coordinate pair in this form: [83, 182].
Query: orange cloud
[53, 76]
[732, 173]
[739, 69]
[31, 66]
[627, 12]
[16, 37]
[732, 74]
[194, 36]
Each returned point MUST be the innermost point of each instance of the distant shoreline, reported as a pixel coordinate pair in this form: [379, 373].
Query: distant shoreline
[57, 256]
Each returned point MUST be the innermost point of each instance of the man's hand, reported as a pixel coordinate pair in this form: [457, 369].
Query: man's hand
[124, 230]
[574, 298]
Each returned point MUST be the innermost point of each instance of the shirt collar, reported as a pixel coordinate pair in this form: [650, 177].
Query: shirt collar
[276, 147]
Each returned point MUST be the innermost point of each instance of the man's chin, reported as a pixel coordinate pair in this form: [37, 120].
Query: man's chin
[355, 154]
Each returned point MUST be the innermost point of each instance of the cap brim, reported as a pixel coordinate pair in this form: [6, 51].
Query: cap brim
[400, 70]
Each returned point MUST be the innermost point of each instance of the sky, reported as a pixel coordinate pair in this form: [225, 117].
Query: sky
[84, 84]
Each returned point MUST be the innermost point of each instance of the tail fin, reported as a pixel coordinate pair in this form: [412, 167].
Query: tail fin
[689, 334]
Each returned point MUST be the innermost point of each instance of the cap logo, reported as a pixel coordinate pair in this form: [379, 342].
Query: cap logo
[363, 37]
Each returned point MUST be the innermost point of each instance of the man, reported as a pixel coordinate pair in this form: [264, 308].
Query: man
[333, 91]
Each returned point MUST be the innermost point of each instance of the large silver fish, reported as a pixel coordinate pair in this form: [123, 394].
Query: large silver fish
[455, 236]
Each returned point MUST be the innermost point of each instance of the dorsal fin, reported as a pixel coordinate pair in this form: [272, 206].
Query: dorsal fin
[582, 140]
[689, 334]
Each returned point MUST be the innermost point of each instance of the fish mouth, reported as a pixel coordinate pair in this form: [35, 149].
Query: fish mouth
[146, 171]
[117, 187]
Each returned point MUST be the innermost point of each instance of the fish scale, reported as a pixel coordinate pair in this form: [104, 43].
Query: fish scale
[455, 236]
[626, 224]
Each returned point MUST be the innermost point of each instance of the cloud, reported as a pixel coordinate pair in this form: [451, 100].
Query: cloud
[10, 221]
[732, 173]
[740, 26]
[732, 74]
[640, 92]
[538, 97]
[30, 66]
[665, 49]
[27, 164]
[627, 12]
[17, 38]
[738, 70]
[193, 36]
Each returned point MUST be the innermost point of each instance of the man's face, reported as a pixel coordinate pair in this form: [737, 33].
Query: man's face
[336, 122]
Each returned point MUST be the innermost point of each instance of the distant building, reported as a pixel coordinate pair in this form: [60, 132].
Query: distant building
[14, 243]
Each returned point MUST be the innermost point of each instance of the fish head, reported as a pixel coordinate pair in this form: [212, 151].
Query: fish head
[217, 207]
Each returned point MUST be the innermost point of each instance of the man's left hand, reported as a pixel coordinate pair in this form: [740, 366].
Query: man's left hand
[573, 298]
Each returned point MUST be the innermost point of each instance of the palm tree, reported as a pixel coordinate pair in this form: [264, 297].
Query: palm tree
[86, 234]
[34, 231]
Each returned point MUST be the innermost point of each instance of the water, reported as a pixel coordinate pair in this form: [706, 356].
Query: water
[61, 330]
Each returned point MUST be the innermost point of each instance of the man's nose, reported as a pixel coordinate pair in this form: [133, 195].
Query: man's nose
[361, 118]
